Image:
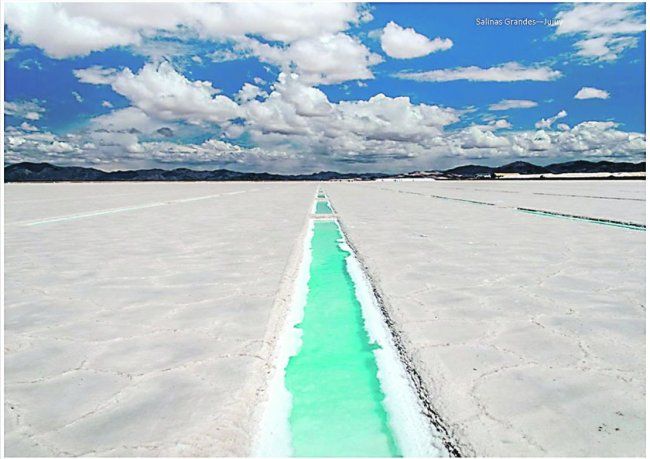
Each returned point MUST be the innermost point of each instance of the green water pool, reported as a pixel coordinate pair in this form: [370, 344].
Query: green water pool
[323, 207]
[337, 402]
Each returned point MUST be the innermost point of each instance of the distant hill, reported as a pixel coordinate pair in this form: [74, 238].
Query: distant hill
[44, 172]
[600, 166]
[471, 169]
[521, 167]
[35, 172]
[525, 168]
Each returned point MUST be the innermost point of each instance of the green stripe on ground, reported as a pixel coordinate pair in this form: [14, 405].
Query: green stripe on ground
[337, 401]
[323, 207]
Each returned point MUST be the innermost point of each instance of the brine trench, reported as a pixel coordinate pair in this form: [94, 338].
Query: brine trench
[341, 402]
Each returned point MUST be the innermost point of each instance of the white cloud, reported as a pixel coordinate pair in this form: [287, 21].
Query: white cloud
[164, 47]
[116, 150]
[296, 127]
[77, 96]
[475, 137]
[591, 93]
[249, 92]
[605, 49]
[607, 29]
[75, 29]
[601, 19]
[326, 59]
[60, 34]
[548, 122]
[590, 139]
[10, 53]
[107, 104]
[347, 136]
[161, 92]
[295, 109]
[307, 38]
[509, 104]
[125, 119]
[38, 146]
[119, 142]
[402, 43]
[226, 55]
[395, 118]
[95, 75]
[275, 21]
[25, 126]
[501, 124]
[27, 109]
[510, 71]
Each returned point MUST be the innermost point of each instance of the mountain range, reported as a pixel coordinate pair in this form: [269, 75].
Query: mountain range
[522, 167]
[45, 172]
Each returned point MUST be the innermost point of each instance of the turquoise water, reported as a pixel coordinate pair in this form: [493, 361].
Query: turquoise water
[323, 207]
[337, 402]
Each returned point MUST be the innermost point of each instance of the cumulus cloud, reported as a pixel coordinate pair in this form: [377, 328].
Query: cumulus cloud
[25, 126]
[27, 109]
[295, 127]
[125, 119]
[510, 71]
[406, 43]
[305, 38]
[326, 59]
[161, 92]
[605, 29]
[588, 92]
[65, 30]
[601, 19]
[115, 150]
[292, 122]
[324, 142]
[95, 75]
[295, 111]
[548, 122]
[509, 104]
[60, 33]
[475, 137]
[604, 48]
[501, 124]
[37, 146]
[589, 140]
[250, 92]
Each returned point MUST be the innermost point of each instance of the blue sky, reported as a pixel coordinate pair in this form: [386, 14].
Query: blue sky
[385, 87]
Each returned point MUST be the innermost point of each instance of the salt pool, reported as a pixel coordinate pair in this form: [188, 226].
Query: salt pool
[340, 387]
[323, 207]
[337, 407]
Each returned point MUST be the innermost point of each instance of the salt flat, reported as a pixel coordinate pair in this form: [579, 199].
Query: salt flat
[528, 331]
[137, 315]
[140, 317]
[616, 200]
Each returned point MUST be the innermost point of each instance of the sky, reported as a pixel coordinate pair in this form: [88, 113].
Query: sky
[297, 88]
